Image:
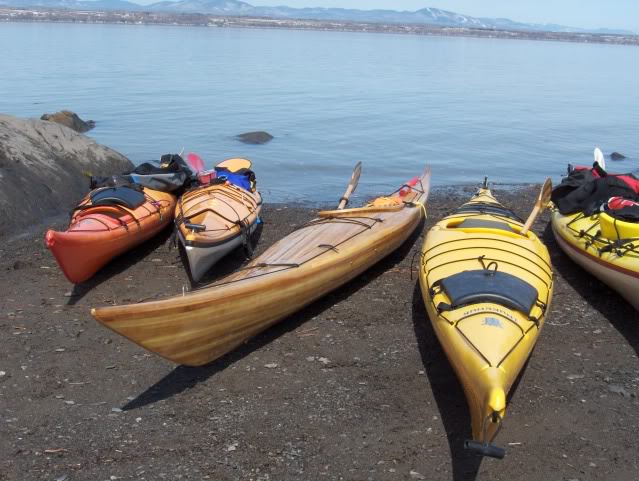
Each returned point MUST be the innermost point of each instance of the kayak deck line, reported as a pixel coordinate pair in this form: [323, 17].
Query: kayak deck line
[320, 221]
[293, 265]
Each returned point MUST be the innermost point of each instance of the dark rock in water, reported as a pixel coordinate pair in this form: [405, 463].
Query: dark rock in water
[71, 120]
[617, 156]
[45, 169]
[255, 137]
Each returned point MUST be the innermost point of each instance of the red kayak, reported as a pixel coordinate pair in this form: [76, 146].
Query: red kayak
[108, 222]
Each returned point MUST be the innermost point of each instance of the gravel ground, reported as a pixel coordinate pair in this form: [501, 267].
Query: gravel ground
[354, 387]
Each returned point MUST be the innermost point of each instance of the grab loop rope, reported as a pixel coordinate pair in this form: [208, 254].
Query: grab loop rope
[603, 245]
[487, 267]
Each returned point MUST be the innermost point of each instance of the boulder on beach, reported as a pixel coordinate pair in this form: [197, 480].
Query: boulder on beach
[70, 119]
[45, 169]
[617, 156]
[255, 137]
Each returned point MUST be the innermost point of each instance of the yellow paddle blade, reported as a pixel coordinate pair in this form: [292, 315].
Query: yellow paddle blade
[234, 165]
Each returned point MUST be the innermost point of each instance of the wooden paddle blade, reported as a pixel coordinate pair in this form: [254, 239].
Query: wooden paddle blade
[546, 193]
[540, 205]
[351, 186]
[426, 182]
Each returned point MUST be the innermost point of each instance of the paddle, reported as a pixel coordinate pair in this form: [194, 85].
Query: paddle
[196, 162]
[541, 204]
[599, 158]
[351, 186]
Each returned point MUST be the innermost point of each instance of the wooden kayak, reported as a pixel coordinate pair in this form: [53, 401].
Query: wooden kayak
[213, 219]
[107, 223]
[604, 246]
[487, 289]
[315, 259]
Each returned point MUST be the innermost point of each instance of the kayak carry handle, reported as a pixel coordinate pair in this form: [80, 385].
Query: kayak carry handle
[484, 449]
[195, 227]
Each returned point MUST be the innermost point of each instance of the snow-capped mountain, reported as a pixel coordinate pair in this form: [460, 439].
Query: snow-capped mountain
[425, 16]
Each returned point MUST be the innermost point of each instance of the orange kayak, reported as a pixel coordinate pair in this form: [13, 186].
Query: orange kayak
[107, 223]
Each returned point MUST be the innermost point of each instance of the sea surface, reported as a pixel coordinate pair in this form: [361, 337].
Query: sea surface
[517, 111]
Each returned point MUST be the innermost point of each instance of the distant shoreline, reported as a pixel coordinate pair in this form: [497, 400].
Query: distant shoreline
[39, 14]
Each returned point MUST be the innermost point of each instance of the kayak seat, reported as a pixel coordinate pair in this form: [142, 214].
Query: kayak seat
[486, 208]
[124, 196]
[484, 224]
[474, 287]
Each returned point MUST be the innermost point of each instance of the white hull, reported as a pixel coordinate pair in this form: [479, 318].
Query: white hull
[626, 285]
[201, 259]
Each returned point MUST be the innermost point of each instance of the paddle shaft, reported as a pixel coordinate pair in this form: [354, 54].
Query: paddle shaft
[351, 186]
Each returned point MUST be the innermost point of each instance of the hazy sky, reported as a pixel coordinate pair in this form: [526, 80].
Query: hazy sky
[620, 14]
[575, 13]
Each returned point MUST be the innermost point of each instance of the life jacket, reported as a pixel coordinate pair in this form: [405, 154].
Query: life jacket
[623, 209]
[244, 178]
[587, 190]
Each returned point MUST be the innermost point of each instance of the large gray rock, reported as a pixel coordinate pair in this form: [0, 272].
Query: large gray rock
[44, 169]
[71, 120]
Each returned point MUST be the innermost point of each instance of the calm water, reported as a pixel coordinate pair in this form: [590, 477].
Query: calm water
[514, 110]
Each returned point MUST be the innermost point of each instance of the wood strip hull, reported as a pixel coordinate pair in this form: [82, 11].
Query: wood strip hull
[309, 263]
[225, 212]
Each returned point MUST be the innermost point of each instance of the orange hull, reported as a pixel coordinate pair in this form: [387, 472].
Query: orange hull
[98, 234]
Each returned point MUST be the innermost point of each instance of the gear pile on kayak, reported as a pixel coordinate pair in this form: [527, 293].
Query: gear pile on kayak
[596, 223]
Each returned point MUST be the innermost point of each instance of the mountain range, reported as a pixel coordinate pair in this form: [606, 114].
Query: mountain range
[425, 16]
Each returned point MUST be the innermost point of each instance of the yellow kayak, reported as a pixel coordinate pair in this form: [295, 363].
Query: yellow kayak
[604, 246]
[487, 289]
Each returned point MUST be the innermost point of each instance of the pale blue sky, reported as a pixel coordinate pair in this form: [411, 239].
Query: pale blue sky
[575, 13]
[619, 14]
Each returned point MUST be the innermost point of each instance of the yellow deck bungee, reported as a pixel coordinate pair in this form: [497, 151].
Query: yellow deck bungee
[487, 289]
[606, 247]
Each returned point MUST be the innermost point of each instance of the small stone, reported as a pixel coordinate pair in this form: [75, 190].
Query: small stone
[416, 475]
[116, 410]
[137, 420]
[592, 465]
[70, 403]
[232, 447]
[64, 477]
[323, 360]
[59, 396]
[421, 373]
[572, 377]
[270, 366]
[3, 373]
[614, 388]
[60, 350]
[597, 331]
[310, 358]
